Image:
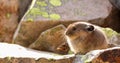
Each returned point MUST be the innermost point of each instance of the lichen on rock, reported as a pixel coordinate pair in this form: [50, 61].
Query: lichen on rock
[109, 32]
[56, 2]
[41, 3]
[55, 16]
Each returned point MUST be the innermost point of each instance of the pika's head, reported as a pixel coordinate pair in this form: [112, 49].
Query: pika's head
[79, 30]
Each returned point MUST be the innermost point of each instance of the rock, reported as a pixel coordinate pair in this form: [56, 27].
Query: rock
[24, 7]
[8, 19]
[116, 3]
[11, 12]
[108, 56]
[70, 60]
[30, 60]
[69, 10]
[100, 12]
[30, 31]
[113, 36]
[113, 20]
[50, 39]
[115, 40]
[13, 53]
[109, 32]
[16, 53]
[17, 60]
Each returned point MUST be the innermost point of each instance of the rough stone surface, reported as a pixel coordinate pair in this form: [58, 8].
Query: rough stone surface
[30, 31]
[70, 10]
[8, 19]
[115, 39]
[116, 3]
[25, 55]
[100, 12]
[24, 6]
[51, 39]
[11, 13]
[69, 60]
[113, 20]
[108, 56]
[13, 53]
[31, 60]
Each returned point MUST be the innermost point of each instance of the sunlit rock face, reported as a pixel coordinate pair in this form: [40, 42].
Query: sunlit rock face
[16, 54]
[69, 10]
[100, 12]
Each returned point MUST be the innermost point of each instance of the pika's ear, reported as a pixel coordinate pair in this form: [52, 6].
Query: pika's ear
[90, 28]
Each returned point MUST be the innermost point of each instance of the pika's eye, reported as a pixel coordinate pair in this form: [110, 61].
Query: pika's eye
[90, 28]
[74, 28]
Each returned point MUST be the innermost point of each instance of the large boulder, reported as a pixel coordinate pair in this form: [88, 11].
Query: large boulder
[100, 12]
[30, 31]
[33, 32]
[11, 12]
[69, 10]
[13, 53]
[51, 39]
[116, 3]
[113, 20]
[8, 19]
[109, 55]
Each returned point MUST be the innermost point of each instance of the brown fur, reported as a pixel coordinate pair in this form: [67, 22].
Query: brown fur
[82, 41]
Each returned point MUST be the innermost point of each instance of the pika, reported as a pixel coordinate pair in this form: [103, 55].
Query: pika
[83, 37]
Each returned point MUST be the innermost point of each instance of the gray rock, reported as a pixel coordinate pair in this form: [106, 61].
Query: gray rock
[70, 10]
